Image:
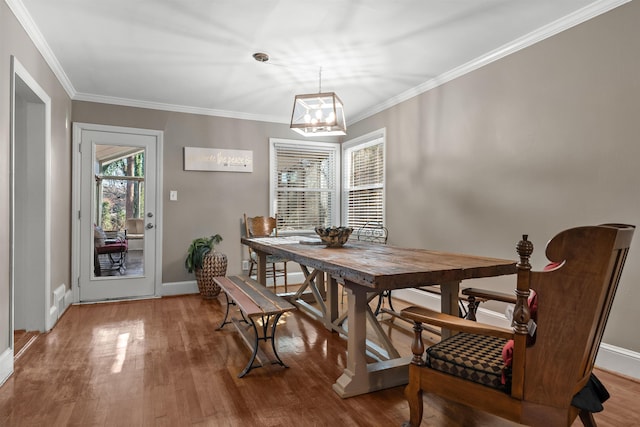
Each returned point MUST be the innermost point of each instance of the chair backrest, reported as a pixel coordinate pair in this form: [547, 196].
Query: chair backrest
[372, 232]
[99, 236]
[260, 226]
[574, 301]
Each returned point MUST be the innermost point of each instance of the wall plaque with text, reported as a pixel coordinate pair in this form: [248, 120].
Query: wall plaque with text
[216, 159]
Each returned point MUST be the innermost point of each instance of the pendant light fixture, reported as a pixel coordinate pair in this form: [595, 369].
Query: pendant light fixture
[318, 114]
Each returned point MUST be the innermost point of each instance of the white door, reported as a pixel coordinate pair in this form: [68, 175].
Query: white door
[118, 216]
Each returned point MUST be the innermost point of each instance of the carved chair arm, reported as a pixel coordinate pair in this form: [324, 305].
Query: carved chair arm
[489, 295]
[432, 317]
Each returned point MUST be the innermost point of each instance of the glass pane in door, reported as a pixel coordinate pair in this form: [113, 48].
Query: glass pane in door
[118, 211]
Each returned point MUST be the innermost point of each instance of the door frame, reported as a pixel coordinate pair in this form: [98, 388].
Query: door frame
[45, 319]
[76, 195]
[43, 314]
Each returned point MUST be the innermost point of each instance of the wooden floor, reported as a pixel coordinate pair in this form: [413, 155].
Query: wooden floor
[22, 341]
[161, 362]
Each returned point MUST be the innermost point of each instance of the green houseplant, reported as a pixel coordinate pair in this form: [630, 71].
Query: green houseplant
[207, 263]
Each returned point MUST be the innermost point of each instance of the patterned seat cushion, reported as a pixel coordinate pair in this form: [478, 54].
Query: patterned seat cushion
[475, 358]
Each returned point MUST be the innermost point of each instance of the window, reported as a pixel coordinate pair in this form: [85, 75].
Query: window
[119, 185]
[304, 184]
[363, 180]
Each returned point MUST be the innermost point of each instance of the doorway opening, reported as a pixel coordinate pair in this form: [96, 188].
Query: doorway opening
[30, 235]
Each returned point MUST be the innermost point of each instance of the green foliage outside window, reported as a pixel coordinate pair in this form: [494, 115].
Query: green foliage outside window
[122, 198]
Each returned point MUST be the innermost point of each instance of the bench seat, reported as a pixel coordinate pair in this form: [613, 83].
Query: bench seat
[254, 301]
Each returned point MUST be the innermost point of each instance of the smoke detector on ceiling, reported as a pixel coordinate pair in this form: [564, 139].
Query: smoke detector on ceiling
[261, 57]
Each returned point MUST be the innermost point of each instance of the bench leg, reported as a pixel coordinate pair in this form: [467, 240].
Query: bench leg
[254, 353]
[265, 337]
[226, 314]
[273, 339]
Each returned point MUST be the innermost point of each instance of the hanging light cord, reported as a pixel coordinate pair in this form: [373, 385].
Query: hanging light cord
[320, 80]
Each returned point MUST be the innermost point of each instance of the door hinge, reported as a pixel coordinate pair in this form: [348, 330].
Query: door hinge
[79, 215]
[78, 281]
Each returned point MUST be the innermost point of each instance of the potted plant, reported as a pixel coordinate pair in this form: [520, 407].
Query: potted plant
[207, 264]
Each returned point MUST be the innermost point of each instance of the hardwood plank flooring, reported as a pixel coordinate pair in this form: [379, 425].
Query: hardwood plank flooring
[161, 362]
[22, 340]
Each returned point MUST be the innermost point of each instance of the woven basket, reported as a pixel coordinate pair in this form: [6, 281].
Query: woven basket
[214, 264]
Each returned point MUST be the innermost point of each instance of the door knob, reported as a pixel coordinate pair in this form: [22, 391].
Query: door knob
[149, 226]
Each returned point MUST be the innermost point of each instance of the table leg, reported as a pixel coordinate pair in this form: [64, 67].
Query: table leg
[332, 302]
[449, 302]
[359, 377]
[261, 275]
[315, 282]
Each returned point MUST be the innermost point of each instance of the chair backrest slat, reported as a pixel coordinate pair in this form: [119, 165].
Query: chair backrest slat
[372, 232]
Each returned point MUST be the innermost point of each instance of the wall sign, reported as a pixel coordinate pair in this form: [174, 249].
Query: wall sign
[216, 159]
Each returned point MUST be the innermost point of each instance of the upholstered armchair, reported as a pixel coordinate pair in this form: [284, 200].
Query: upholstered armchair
[538, 372]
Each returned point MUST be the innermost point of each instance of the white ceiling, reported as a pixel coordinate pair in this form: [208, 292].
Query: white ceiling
[196, 55]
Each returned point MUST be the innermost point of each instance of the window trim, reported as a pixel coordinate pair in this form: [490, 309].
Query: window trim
[335, 194]
[363, 141]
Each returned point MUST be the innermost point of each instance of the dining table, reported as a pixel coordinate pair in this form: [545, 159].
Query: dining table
[365, 270]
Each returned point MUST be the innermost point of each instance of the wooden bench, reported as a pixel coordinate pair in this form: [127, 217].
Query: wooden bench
[255, 302]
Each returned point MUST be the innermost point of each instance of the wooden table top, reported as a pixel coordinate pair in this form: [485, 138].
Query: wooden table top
[384, 266]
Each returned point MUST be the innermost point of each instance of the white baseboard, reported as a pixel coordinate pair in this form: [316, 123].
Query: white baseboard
[618, 359]
[191, 286]
[179, 288]
[6, 365]
[295, 277]
[432, 301]
[68, 299]
[62, 299]
[611, 358]
[52, 318]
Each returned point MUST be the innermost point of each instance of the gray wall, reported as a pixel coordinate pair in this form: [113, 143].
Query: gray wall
[542, 140]
[14, 41]
[208, 202]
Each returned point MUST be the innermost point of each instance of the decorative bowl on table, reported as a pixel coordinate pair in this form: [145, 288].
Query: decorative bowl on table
[334, 237]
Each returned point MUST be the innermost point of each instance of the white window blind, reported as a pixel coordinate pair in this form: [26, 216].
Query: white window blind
[363, 185]
[304, 184]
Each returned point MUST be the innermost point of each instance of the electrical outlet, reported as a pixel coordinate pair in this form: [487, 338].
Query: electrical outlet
[245, 264]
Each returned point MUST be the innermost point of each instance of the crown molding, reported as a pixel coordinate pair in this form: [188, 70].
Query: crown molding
[578, 17]
[23, 17]
[586, 13]
[175, 108]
